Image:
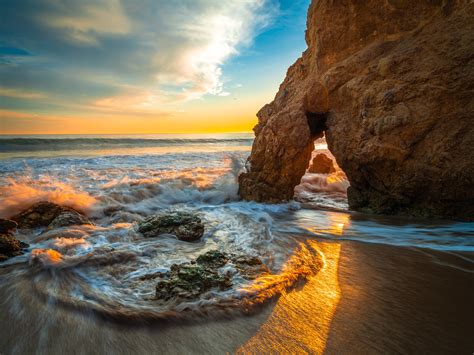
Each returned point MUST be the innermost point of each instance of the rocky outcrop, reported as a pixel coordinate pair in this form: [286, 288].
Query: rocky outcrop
[193, 279]
[390, 84]
[7, 226]
[10, 247]
[51, 215]
[321, 164]
[185, 226]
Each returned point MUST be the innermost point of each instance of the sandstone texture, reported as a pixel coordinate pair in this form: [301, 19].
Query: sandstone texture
[390, 84]
[321, 164]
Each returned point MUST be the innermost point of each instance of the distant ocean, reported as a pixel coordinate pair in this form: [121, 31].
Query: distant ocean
[39, 145]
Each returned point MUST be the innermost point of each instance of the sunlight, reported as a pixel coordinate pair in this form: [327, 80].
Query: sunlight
[301, 319]
[46, 256]
[20, 193]
[334, 224]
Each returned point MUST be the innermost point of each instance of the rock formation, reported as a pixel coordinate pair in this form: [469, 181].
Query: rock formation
[191, 280]
[51, 215]
[321, 164]
[185, 226]
[390, 84]
[7, 226]
[9, 245]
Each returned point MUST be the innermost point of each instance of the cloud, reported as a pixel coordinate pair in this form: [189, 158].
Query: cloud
[136, 55]
[21, 94]
[82, 21]
[206, 40]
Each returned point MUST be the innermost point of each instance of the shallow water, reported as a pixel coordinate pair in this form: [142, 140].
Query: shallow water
[91, 276]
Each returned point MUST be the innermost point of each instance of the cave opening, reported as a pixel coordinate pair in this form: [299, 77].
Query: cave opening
[324, 184]
[316, 123]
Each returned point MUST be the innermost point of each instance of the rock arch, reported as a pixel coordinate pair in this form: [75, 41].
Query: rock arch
[390, 84]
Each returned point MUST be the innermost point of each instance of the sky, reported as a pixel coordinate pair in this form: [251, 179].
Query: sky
[143, 66]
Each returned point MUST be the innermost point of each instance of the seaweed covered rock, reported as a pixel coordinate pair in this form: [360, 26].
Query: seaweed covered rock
[10, 246]
[321, 164]
[184, 225]
[212, 270]
[51, 215]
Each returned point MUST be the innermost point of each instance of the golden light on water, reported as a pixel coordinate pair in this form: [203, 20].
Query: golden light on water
[301, 319]
[300, 266]
[20, 193]
[131, 151]
[334, 224]
[46, 256]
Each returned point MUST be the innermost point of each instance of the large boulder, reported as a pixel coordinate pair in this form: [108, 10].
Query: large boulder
[184, 225]
[390, 84]
[51, 215]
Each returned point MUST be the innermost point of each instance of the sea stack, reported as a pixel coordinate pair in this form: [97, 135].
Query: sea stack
[390, 86]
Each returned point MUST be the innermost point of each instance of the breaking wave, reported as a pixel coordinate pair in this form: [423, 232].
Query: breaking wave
[51, 144]
[100, 269]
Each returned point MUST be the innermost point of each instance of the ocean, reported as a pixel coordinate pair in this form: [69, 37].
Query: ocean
[118, 180]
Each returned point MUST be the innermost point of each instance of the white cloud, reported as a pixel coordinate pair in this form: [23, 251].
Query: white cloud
[139, 55]
[205, 40]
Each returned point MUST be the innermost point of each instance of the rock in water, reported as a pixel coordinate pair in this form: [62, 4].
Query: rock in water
[7, 226]
[184, 225]
[68, 217]
[10, 246]
[390, 85]
[51, 215]
[191, 280]
[321, 164]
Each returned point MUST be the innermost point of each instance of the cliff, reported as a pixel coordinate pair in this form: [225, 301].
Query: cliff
[390, 84]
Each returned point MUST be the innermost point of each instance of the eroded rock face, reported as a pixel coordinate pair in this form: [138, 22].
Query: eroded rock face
[185, 226]
[391, 85]
[321, 164]
[51, 215]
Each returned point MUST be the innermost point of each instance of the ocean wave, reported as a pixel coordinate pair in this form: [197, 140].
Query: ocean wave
[47, 144]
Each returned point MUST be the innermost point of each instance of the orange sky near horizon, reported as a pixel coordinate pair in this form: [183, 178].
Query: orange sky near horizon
[116, 67]
[17, 123]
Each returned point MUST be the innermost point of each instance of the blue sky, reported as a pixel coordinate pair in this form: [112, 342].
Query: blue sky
[116, 66]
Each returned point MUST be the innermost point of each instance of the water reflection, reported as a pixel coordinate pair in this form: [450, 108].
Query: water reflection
[301, 319]
[335, 223]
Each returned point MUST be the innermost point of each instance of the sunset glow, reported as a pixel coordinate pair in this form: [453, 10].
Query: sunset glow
[107, 66]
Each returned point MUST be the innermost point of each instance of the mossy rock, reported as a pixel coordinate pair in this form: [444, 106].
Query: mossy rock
[190, 280]
[184, 225]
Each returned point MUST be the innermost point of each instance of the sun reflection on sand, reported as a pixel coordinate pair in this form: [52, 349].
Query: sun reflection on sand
[301, 319]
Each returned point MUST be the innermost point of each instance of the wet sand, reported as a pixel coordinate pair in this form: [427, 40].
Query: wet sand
[368, 298]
